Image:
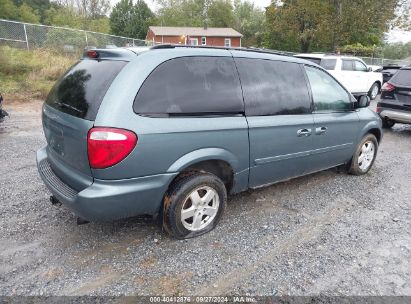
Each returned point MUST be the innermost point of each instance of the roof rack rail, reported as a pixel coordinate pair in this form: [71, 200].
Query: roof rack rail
[247, 49]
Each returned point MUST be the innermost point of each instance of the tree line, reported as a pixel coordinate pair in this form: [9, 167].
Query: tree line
[356, 26]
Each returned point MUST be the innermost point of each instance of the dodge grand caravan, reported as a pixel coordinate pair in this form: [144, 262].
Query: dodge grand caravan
[172, 130]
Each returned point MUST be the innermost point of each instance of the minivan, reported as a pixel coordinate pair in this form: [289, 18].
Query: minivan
[171, 130]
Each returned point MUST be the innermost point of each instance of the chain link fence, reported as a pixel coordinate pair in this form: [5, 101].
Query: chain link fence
[384, 61]
[32, 36]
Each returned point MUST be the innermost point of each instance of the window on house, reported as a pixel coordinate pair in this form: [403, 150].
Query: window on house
[227, 42]
[203, 41]
[193, 41]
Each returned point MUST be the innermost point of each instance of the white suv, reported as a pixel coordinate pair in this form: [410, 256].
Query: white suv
[352, 72]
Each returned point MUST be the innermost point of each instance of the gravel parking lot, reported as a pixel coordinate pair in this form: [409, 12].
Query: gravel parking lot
[328, 233]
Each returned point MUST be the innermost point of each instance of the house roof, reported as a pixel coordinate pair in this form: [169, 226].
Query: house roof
[194, 31]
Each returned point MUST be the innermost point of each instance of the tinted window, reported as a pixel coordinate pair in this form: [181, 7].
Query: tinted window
[402, 77]
[273, 87]
[80, 91]
[359, 66]
[328, 94]
[328, 64]
[315, 60]
[347, 65]
[191, 85]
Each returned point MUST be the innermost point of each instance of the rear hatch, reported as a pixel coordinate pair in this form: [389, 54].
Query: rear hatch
[402, 82]
[69, 113]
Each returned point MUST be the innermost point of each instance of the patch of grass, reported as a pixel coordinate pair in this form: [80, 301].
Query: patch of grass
[31, 74]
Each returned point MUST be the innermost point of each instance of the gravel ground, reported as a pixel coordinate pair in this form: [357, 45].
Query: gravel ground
[327, 233]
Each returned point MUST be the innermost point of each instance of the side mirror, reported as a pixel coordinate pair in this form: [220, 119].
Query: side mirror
[363, 101]
[369, 69]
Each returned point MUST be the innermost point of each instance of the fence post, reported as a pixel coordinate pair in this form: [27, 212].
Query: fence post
[25, 34]
[85, 33]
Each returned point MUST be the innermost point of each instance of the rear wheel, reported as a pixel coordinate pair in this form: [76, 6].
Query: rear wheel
[375, 89]
[364, 156]
[194, 205]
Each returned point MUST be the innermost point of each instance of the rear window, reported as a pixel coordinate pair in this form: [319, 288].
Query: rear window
[80, 91]
[347, 65]
[191, 85]
[402, 78]
[273, 87]
[328, 64]
[315, 60]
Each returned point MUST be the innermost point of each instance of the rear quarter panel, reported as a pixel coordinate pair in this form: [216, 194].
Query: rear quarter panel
[166, 144]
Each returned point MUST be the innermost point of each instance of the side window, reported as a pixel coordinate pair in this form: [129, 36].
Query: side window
[191, 85]
[328, 94]
[273, 87]
[347, 65]
[359, 66]
[328, 64]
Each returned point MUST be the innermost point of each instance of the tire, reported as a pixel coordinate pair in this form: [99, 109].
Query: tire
[387, 123]
[374, 90]
[368, 147]
[202, 195]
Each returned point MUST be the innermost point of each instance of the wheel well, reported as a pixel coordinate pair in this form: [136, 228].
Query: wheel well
[376, 133]
[379, 84]
[219, 168]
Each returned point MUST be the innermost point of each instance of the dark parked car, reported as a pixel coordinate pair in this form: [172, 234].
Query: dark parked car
[388, 71]
[172, 130]
[395, 102]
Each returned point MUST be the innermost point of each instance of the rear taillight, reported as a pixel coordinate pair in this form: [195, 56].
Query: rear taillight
[388, 87]
[109, 146]
[378, 109]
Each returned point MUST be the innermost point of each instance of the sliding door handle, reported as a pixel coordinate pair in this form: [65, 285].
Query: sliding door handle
[304, 132]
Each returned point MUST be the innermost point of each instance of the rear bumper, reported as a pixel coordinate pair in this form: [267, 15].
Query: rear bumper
[396, 115]
[106, 200]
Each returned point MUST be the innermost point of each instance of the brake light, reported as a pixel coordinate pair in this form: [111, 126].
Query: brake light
[92, 54]
[378, 109]
[108, 146]
[388, 87]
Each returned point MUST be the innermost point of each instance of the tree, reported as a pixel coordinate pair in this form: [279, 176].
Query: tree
[298, 25]
[8, 10]
[249, 21]
[131, 20]
[327, 25]
[26, 13]
[220, 13]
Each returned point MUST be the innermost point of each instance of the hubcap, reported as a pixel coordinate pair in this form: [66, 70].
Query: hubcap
[374, 92]
[366, 155]
[200, 208]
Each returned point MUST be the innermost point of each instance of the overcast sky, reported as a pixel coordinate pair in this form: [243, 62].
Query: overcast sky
[393, 36]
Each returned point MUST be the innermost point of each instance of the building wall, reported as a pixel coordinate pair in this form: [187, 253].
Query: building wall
[212, 41]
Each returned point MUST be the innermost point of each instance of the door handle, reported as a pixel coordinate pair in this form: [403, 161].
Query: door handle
[321, 130]
[304, 132]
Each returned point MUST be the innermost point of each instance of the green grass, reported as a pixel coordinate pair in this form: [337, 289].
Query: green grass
[30, 74]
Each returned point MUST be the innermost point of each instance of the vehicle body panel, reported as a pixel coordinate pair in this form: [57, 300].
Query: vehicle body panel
[259, 149]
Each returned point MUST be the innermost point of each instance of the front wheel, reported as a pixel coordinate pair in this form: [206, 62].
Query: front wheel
[193, 205]
[375, 89]
[364, 156]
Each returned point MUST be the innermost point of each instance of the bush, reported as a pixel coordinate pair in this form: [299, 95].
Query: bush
[31, 73]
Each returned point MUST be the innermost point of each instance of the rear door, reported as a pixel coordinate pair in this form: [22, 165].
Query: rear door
[278, 111]
[353, 79]
[336, 123]
[69, 113]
